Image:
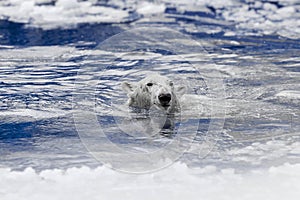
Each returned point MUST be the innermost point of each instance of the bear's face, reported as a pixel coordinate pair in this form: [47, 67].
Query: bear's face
[154, 90]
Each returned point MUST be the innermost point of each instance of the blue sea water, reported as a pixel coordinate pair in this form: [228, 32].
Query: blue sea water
[41, 69]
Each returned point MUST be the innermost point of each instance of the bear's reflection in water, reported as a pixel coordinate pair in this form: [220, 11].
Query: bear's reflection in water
[149, 123]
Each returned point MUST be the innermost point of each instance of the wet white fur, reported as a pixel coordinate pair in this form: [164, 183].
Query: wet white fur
[141, 95]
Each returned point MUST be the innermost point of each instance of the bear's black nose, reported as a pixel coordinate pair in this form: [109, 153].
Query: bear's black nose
[164, 99]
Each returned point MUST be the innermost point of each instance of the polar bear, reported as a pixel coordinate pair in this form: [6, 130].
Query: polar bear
[154, 90]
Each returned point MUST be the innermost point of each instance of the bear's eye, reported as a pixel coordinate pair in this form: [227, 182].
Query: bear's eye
[171, 83]
[149, 84]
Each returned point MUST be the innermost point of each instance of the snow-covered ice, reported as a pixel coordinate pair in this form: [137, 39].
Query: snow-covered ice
[176, 182]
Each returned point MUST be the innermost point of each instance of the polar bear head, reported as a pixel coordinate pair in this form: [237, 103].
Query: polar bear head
[154, 90]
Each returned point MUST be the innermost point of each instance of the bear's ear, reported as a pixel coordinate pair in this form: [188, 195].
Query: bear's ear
[127, 87]
[180, 90]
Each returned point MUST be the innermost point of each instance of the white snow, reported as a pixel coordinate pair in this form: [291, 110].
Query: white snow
[250, 17]
[265, 18]
[64, 13]
[176, 182]
[148, 8]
